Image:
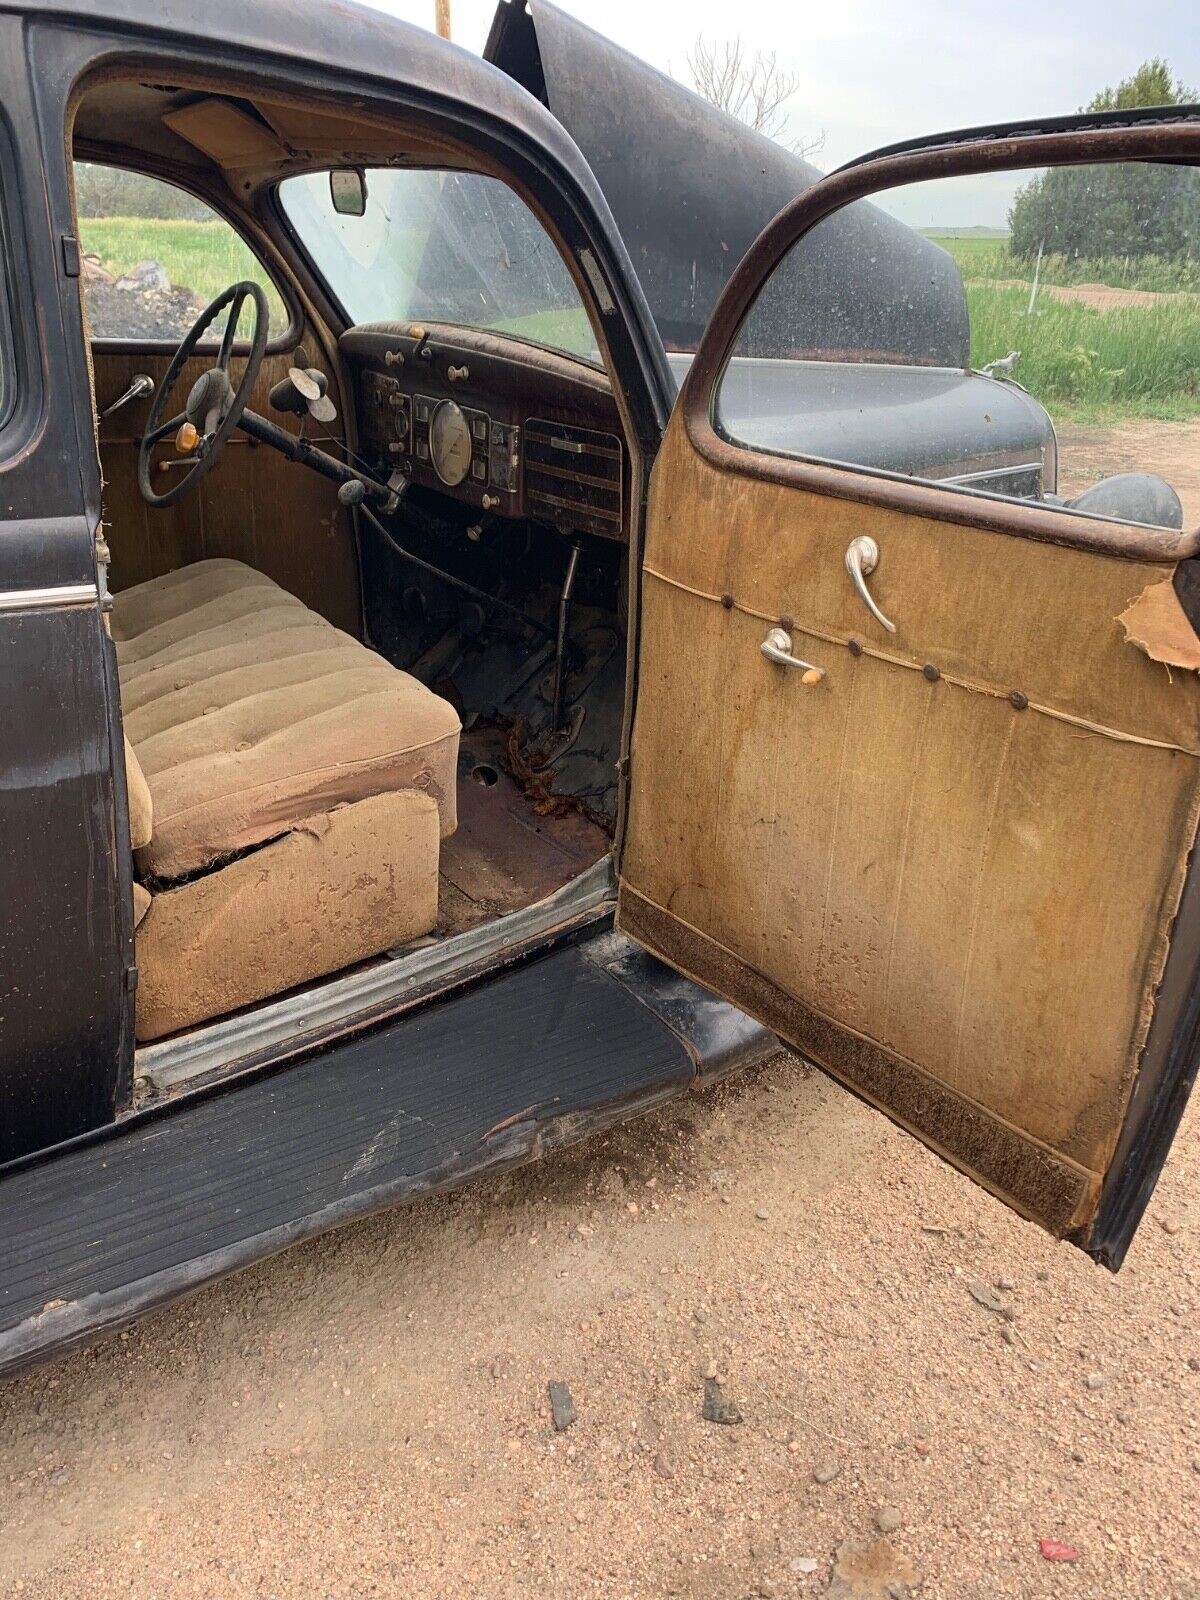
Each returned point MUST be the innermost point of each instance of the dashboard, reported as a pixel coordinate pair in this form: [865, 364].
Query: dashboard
[505, 426]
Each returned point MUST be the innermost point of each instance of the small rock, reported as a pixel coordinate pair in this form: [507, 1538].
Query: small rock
[827, 1471]
[804, 1564]
[1007, 1334]
[59, 1475]
[762, 1215]
[710, 1370]
[716, 1408]
[875, 1238]
[1005, 1285]
[663, 1465]
[1042, 1275]
[1077, 1456]
[1194, 1363]
[979, 1292]
[632, 1207]
[1170, 1224]
[921, 1446]
[146, 275]
[562, 1407]
[767, 1589]
[888, 1519]
[1094, 1381]
[1057, 1550]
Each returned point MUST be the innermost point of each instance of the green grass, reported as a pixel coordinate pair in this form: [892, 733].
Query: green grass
[1133, 361]
[567, 330]
[990, 258]
[205, 257]
[1084, 364]
[1079, 362]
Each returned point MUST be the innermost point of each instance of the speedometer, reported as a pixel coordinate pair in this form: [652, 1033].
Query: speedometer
[450, 443]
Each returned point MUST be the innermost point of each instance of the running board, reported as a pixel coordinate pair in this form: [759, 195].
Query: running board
[533, 1059]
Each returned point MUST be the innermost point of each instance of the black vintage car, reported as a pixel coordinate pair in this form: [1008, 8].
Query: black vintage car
[432, 733]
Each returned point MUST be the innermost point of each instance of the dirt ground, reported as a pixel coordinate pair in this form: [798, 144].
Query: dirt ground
[1171, 449]
[1096, 296]
[367, 1415]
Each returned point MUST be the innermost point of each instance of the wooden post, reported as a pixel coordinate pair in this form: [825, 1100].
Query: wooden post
[443, 17]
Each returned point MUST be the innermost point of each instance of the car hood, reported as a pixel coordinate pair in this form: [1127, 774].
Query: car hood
[691, 188]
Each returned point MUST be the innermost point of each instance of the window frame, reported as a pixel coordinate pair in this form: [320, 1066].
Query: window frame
[287, 340]
[1083, 141]
[16, 394]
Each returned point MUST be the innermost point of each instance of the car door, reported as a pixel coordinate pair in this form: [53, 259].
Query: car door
[948, 858]
[66, 949]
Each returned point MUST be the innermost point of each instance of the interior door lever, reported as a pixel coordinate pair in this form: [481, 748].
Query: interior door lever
[862, 557]
[777, 647]
[140, 384]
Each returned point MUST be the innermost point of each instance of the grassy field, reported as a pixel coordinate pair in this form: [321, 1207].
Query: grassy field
[1081, 362]
[1141, 360]
[205, 257]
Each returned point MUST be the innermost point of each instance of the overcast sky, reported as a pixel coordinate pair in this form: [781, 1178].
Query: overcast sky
[872, 71]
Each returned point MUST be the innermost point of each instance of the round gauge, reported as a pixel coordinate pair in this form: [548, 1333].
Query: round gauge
[449, 443]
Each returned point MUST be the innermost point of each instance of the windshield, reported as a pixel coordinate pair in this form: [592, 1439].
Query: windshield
[441, 247]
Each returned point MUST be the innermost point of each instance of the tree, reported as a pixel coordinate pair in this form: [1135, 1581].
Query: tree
[754, 89]
[116, 192]
[1121, 208]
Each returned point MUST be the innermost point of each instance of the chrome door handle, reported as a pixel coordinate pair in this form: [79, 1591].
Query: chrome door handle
[777, 647]
[140, 384]
[862, 558]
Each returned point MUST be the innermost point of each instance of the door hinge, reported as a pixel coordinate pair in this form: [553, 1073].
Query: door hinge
[70, 255]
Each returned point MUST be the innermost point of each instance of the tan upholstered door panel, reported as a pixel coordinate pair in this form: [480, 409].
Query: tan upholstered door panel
[948, 871]
[255, 506]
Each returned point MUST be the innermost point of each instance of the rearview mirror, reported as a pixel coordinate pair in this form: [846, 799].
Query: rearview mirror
[348, 191]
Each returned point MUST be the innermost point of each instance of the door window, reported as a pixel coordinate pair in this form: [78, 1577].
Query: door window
[1033, 335]
[154, 256]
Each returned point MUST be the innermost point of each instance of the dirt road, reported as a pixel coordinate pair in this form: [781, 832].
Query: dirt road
[367, 1415]
[1171, 449]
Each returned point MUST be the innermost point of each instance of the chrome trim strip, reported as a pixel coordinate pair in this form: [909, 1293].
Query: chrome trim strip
[221, 1044]
[65, 594]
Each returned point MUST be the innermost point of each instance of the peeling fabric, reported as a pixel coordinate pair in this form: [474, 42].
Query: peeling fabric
[1157, 624]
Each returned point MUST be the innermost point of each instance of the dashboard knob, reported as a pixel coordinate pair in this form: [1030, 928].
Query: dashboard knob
[457, 374]
[393, 358]
[490, 502]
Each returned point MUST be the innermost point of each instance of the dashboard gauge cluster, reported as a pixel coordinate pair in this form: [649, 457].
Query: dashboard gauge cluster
[500, 425]
[453, 440]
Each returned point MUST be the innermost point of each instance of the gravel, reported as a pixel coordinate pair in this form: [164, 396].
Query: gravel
[366, 1414]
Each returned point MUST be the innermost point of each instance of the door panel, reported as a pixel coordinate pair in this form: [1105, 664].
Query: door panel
[947, 872]
[256, 506]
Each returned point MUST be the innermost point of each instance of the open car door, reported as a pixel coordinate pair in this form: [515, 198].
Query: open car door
[949, 863]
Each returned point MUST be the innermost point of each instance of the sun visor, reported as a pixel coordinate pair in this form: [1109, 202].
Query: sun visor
[226, 134]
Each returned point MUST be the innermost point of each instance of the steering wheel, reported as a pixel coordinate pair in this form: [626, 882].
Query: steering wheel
[214, 407]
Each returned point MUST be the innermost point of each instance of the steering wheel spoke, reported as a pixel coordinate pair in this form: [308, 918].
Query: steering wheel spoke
[223, 403]
[164, 429]
[230, 333]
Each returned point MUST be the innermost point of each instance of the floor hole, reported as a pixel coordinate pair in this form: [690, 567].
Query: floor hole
[484, 775]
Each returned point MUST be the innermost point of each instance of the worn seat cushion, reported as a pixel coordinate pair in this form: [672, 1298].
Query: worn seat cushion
[247, 712]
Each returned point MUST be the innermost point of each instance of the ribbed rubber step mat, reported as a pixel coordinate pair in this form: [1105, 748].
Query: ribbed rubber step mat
[532, 1059]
